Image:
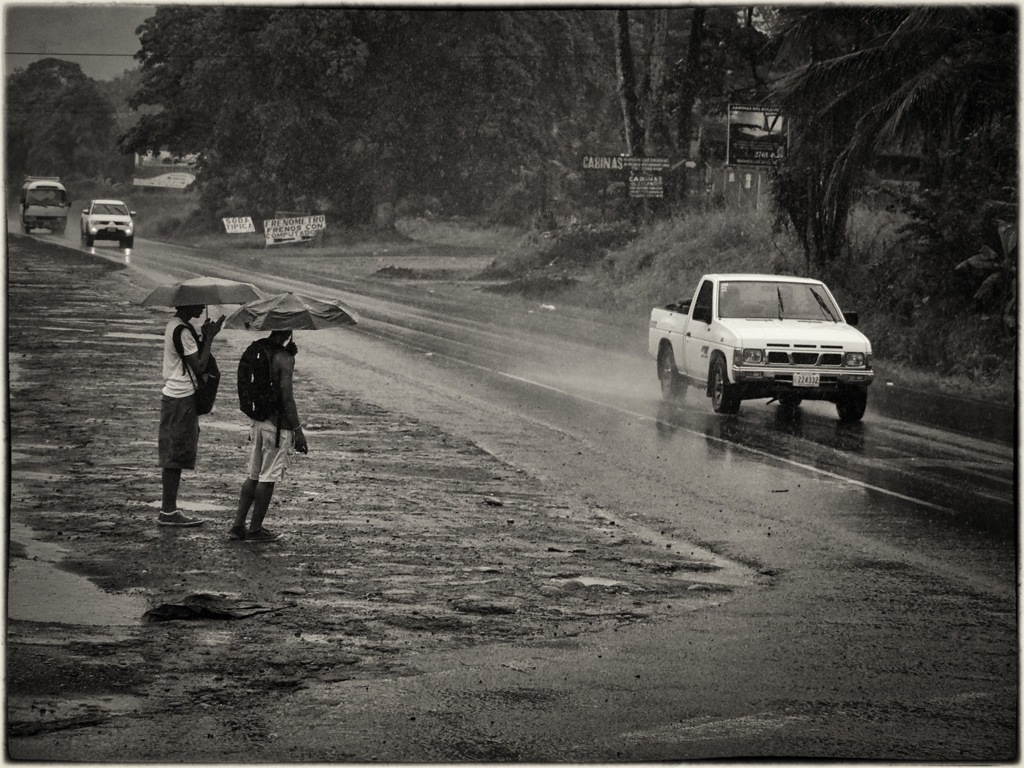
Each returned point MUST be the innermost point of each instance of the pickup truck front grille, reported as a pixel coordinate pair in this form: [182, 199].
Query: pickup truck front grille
[776, 357]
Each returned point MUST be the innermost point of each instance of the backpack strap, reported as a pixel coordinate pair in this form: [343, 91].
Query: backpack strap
[180, 348]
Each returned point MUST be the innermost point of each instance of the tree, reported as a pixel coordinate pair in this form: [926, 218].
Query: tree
[935, 77]
[350, 110]
[58, 122]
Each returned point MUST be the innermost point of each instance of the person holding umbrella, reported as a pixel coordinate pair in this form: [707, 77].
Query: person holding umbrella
[276, 429]
[273, 436]
[179, 420]
[186, 357]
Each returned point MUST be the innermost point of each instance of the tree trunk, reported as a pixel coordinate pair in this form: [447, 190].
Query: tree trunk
[625, 69]
[688, 92]
[655, 81]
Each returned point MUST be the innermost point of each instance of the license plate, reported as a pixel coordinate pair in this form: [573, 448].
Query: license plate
[111, 229]
[806, 379]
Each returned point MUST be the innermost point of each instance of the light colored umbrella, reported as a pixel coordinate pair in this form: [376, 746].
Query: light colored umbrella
[202, 290]
[292, 312]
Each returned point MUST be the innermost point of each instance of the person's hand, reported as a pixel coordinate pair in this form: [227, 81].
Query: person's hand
[299, 440]
[211, 329]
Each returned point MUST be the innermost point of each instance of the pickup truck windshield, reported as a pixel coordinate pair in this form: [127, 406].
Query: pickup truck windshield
[756, 300]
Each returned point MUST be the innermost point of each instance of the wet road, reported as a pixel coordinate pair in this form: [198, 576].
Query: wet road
[894, 543]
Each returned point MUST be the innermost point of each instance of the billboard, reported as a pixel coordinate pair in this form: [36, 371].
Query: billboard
[757, 135]
[166, 180]
[293, 230]
[644, 173]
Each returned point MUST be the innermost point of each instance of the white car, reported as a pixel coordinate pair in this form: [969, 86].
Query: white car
[108, 220]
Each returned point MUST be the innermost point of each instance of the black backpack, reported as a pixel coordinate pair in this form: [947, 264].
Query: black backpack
[206, 387]
[259, 393]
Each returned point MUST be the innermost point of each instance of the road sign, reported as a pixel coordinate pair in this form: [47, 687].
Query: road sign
[623, 163]
[757, 135]
[235, 225]
[646, 185]
[645, 178]
[294, 230]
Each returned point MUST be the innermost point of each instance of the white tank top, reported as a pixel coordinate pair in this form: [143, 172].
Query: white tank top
[177, 382]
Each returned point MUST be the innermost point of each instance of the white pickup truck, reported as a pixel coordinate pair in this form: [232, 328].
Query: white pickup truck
[746, 337]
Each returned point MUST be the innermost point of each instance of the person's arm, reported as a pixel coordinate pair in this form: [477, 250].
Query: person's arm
[210, 329]
[286, 365]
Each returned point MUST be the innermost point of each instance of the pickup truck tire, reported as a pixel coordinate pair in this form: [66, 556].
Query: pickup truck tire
[668, 374]
[88, 240]
[724, 397]
[851, 405]
[128, 242]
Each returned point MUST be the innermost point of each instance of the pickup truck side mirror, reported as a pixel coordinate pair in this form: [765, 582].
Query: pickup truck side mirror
[852, 318]
[683, 306]
[85, 211]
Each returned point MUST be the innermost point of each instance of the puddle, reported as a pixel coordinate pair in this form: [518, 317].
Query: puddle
[57, 710]
[590, 581]
[307, 637]
[213, 637]
[45, 477]
[122, 335]
[62, 328]
[39, 591]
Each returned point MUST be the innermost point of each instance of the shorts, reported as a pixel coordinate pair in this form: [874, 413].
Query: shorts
[179, 432]
[267, 463]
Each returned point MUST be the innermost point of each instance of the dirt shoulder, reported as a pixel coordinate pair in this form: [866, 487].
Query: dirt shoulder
[401, 540]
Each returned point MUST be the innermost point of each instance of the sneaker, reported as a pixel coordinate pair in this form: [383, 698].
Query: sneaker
[176, 518]
[262, 535]
[238, 534]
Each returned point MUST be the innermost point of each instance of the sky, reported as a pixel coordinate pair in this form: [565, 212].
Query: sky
[100, 37]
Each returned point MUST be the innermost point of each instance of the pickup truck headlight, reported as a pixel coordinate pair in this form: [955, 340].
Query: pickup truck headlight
[854, 360]
[748, 356]
[128, 230]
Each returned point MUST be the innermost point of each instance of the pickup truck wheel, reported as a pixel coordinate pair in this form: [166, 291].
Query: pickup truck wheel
[851, 405]
[724, 398]
[89, 240]
[668, 375]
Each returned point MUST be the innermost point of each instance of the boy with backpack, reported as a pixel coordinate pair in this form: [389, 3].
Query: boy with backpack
[265, 395]
[187, 361]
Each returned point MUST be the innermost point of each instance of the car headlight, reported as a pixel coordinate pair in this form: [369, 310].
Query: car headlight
[854, 359]
[92, 229]
[128, 229]
[748, 356]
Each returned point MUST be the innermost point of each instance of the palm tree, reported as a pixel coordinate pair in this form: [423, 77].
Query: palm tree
[931, 77]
